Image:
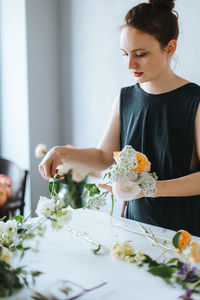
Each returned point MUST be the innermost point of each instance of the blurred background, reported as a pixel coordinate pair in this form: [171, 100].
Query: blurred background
[60, 70]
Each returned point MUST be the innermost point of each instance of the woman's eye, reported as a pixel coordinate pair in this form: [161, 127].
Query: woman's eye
[140, 55]
[124, 54]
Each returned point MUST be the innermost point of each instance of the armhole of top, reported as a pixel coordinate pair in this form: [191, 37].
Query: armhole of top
[121, 116]
[196, 106]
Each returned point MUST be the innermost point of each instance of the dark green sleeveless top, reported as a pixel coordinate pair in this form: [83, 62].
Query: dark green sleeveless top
[162, 127]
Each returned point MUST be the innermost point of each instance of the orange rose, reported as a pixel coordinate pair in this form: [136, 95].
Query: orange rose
[185, 239]
[3, 195]
[143, 163]
[195, 252]
[115, 156]
[5, 180]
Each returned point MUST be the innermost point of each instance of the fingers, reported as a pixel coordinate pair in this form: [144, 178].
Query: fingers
[48, 165]
[106, 187]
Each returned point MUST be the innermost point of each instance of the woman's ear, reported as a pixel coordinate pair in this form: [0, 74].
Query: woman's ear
[171, 47]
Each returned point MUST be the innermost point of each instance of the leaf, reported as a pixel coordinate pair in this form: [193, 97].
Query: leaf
[162, 271]
[176, 239]
[95, 251]
[172, 260]
[18, 218]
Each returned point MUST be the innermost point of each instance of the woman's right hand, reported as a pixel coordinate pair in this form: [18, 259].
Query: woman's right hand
[52, 159]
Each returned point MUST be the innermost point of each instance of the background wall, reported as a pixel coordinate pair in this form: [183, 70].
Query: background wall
[75, 69]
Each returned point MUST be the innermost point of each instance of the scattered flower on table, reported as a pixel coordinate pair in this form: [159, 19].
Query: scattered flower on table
[187, 295]
[122, 251]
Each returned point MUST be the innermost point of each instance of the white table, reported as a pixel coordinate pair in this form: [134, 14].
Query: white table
[62, 255]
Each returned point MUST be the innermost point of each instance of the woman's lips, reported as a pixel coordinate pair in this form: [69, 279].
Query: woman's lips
[137, 74]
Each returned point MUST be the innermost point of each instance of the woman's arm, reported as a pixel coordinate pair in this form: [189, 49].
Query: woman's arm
[90, 159]
[187, 185]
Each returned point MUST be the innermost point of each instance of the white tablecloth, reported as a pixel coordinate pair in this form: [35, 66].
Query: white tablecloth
[62, 255]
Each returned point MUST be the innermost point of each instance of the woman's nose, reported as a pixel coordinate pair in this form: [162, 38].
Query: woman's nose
[132, 62]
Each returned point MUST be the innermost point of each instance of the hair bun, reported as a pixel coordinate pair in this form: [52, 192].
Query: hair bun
[165, 4]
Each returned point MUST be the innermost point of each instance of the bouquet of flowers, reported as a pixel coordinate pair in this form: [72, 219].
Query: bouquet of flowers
[71, 181]
[130, 175]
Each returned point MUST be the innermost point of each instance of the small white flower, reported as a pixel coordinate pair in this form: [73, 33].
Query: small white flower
[5, 255]
[127, 156]
[45, 207]
[79, 175]
[60, 204]
[33, 222]
[139, 257]
[123, 251]
[11, 227]
[63, 169]
[40, 150]
[2, 227]
[147, 182]
[125, 191]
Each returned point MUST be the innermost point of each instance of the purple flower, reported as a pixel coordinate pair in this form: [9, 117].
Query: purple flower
[187, 295]
[189, 273]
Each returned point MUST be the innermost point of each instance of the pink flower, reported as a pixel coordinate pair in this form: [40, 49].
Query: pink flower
[125, 191]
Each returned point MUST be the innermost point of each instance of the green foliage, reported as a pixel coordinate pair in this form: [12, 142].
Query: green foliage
[18, 218]
[92, 189]
[13, 279]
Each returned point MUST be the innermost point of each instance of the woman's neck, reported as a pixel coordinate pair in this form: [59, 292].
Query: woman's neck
[163, 84]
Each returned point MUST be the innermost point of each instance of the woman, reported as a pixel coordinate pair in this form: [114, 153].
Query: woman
[159, 116]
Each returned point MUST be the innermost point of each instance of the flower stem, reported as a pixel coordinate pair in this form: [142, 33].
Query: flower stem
[143, 233]
[112, 207]
[195, 284]
[82, 236]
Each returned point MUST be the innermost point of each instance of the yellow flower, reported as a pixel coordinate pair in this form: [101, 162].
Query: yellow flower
[122, 251]
[195, 252]
[143, 163]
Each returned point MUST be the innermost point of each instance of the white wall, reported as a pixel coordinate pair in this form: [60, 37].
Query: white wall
[14, 105]
[43, 48]
[189, 39]
[14, 92]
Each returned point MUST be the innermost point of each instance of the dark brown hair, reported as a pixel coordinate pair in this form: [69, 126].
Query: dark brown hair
[156, 18]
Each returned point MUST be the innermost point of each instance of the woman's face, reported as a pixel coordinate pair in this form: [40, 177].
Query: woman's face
[144, 56]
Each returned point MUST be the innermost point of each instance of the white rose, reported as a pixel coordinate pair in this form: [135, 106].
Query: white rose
[11, 227]
[40, 150]
[78, 175]
[45, 207]
[63, 169]
[125, 191]
[5, 255]
[32, 222]
[2, 227]
[64, 219]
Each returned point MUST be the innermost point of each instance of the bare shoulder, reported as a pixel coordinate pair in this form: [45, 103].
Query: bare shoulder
[115, 106]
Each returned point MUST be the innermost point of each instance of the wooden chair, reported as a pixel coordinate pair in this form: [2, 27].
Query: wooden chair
[15, 203]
